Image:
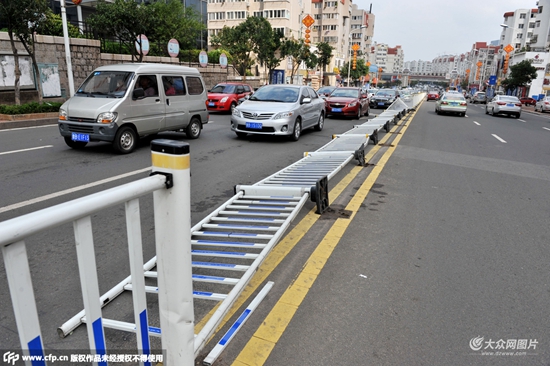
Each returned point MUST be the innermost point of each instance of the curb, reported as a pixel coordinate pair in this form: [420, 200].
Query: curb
[6, 125]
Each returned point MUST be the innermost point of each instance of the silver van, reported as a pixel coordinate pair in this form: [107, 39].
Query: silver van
[120, 103]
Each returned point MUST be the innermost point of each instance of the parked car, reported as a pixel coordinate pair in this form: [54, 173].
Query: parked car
[433, 95]
[121, 103]
[325, 91]
[384, 98]
[504, 104]
[543, 105]
[349, 102]
[527, 101]
[479, 97]
[451, 102]
[225, 96]
[279, 109]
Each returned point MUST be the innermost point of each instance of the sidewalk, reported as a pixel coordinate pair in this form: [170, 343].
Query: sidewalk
[27, 120]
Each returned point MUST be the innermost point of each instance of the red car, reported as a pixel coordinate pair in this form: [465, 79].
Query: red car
[225, 96]
[433, 95]
[527, 101]
[350, 102]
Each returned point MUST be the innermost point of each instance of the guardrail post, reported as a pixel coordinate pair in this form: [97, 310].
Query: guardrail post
[173, 246]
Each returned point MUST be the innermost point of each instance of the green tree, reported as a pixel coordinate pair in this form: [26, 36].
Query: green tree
[324, 55]
[267, 45]
[521, 74]
[125, 20]
[298, 52]
[361, 69]
[173, 20]
[239, 41]
[23, 18]
[53, 26]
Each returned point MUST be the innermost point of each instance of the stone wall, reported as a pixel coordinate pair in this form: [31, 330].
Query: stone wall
[86, 56]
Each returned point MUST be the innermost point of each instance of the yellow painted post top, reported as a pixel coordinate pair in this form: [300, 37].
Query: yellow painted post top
[170, 154]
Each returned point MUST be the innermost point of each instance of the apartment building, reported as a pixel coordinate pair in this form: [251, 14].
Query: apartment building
[519, 26]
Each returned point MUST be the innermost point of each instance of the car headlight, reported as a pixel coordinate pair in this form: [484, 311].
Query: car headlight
[236, 112]
[352, 104]
[283, 115]
[107, 117]
[223, 100]
[62, 114]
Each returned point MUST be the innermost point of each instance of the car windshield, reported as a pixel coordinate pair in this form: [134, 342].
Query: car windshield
[105, 84]
[385, 93]
[509, 99]
[224, 89]
[433, 92]
[480, 94]
[279, 94]
[346, 93]
[326, 89]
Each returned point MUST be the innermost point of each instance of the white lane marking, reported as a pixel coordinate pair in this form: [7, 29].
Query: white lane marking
[22, 150]
[546, 128]
[499, 139]
[70, 190]
[521, 120]
[477, 123]
[25, 128]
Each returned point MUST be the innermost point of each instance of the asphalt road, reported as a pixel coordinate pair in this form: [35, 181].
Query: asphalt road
[448, 247]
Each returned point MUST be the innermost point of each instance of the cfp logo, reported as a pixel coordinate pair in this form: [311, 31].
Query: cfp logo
[11, 358]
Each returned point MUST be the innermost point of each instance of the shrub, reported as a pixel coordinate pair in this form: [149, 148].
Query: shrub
[32, 107]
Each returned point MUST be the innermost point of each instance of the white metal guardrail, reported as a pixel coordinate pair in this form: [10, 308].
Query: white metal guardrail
[214, 263]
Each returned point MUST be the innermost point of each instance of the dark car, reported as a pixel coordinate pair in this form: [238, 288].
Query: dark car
[527, 101]
[225, 96]
[384, 98]
[350, 102]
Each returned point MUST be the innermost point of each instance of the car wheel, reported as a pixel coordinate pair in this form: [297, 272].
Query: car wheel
[358, 116]
[233, 105]
[241, 134]
[193, 130]
[518, 115]
[75, 144]
[486, 110]
[436, 111]
[297, 130]
[320, 123]
[493, 112]
[125, 140]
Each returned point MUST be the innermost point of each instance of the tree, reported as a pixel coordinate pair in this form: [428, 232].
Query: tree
[521, 75]
[267, 45]
[239, 41]
[361, 69]
[53, 26]
[23, 18]
[324, 55]
[298, 51]
[173, 20]
[125, 20]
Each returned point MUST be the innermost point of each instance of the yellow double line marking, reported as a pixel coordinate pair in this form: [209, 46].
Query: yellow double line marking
[263, 341]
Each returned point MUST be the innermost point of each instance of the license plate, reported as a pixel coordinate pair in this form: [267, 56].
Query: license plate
[254, 125]
[337, 110]
[510, 105]
[454, 104]
[380, 103]
[211, 104]
[80, 137]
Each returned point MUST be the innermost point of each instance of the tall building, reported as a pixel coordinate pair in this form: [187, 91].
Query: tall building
[518, 28]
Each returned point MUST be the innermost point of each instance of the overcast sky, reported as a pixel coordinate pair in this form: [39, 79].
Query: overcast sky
[426, 29]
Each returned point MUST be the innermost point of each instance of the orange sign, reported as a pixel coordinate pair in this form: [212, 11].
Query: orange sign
[479, 63]
[355, 47]
[308, 21]
[508, 48]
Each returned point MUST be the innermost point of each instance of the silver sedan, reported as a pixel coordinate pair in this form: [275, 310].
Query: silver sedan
[504, 104]
[543, 105]
[279, 110]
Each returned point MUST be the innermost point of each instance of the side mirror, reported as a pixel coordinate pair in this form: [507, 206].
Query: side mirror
[306, 100]
[138, 93]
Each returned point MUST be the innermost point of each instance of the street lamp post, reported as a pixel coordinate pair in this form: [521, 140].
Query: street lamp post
[67, 48]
